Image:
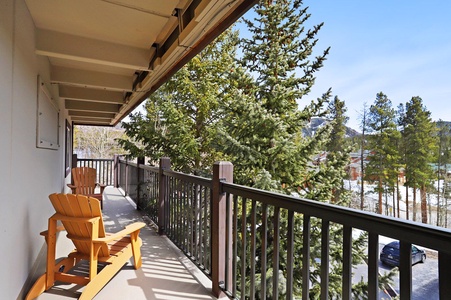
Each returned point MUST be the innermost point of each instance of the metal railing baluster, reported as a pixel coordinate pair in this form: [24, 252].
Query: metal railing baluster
[253, 241]
[290, 254]
[306, 257]
[275, 258]
[325, 259]
[347, 262]
[373, 266]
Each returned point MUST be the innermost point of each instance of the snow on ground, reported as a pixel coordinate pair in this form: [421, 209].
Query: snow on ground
[371, 197]
[371, 200]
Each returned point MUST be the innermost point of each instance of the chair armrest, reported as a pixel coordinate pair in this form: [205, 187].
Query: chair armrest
[127, 230]
[58, 229]
[102, 187]
[72, 187]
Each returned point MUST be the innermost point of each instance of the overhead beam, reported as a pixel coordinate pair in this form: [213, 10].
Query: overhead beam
[93, 123]
[87, 94]
[66, 46]
[91, 79]
[99, 115]
[91, 106]
[153, 82]
[89, 119]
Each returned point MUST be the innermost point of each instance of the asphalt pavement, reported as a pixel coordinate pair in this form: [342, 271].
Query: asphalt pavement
[424, 278]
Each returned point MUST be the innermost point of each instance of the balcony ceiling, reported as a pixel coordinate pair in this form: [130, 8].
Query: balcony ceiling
[107, 56]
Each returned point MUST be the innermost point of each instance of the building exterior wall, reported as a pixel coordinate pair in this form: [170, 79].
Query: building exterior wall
[27, 174]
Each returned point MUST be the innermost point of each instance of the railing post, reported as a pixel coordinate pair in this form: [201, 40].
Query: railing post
[444, 274]
[222, 171]
[74, 165]
[126, 177]
[140, 177]
[116, 170]
[165, 164]
[74, 160]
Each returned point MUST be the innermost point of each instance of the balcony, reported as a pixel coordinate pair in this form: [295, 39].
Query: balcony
[193, 247]
[165, 273]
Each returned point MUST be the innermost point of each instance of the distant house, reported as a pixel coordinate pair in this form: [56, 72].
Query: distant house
[355, 166]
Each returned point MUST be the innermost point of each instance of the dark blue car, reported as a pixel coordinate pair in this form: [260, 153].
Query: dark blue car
[390, 254]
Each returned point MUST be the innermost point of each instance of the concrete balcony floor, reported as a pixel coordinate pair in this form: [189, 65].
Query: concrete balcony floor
[166, 273]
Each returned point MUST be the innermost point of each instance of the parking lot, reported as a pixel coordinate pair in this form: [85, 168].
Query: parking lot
[424, 278]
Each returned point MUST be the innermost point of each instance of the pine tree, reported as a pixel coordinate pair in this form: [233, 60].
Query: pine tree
[266, 127]
[442, 160]
[263, 130]
[181, 118]
[401, 121]
[363, 126]
[337, 149]
[419, 135]
[383, 165]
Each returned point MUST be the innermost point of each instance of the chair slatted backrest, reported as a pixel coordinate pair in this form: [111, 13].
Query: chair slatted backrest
[80, 233]
[84, 180]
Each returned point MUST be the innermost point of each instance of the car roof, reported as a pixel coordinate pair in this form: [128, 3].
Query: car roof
[394, 244]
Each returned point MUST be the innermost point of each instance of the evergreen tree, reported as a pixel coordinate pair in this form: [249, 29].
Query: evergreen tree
[363, 127]
[401, 121]
[337, 149]
[442, 160]
[181, 117]
[263, 132]
[266, 128]
[383, 165]
[419, 135]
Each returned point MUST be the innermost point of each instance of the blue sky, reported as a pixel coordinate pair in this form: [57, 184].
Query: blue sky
[399, 47]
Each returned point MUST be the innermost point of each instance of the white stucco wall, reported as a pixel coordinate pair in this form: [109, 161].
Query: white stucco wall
[27, 174]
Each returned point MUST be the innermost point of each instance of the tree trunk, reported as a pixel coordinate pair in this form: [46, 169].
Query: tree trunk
[398, 195]
[438, 195]
[414, 202]
[446, 211]
[362, 192]
[394, 203]
[386, 203]
[407, 201]
[380, 197]
[424, 207]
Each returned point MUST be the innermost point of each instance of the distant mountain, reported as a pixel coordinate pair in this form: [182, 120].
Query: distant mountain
[316, 123]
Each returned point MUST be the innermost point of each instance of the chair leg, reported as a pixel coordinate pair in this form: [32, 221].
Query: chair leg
[37, 288]
[40, 287]
[103, 277]
[136, 249]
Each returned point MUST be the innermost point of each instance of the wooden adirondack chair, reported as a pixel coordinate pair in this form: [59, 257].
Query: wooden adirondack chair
[81, 216]
[84, 179]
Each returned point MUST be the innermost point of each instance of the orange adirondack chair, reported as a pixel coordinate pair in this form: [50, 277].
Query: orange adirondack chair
[84, 179]
[81, 216]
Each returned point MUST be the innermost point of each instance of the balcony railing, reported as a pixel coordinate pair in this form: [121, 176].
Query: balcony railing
[104, 167]
[236, 234]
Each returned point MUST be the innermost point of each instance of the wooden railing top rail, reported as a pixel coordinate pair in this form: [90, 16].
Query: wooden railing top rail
[432, 237]
[179, 175]
[145, 167]
[189, 178]
[95, 159]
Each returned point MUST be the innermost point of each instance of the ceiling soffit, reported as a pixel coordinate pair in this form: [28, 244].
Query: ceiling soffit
[107, 56]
